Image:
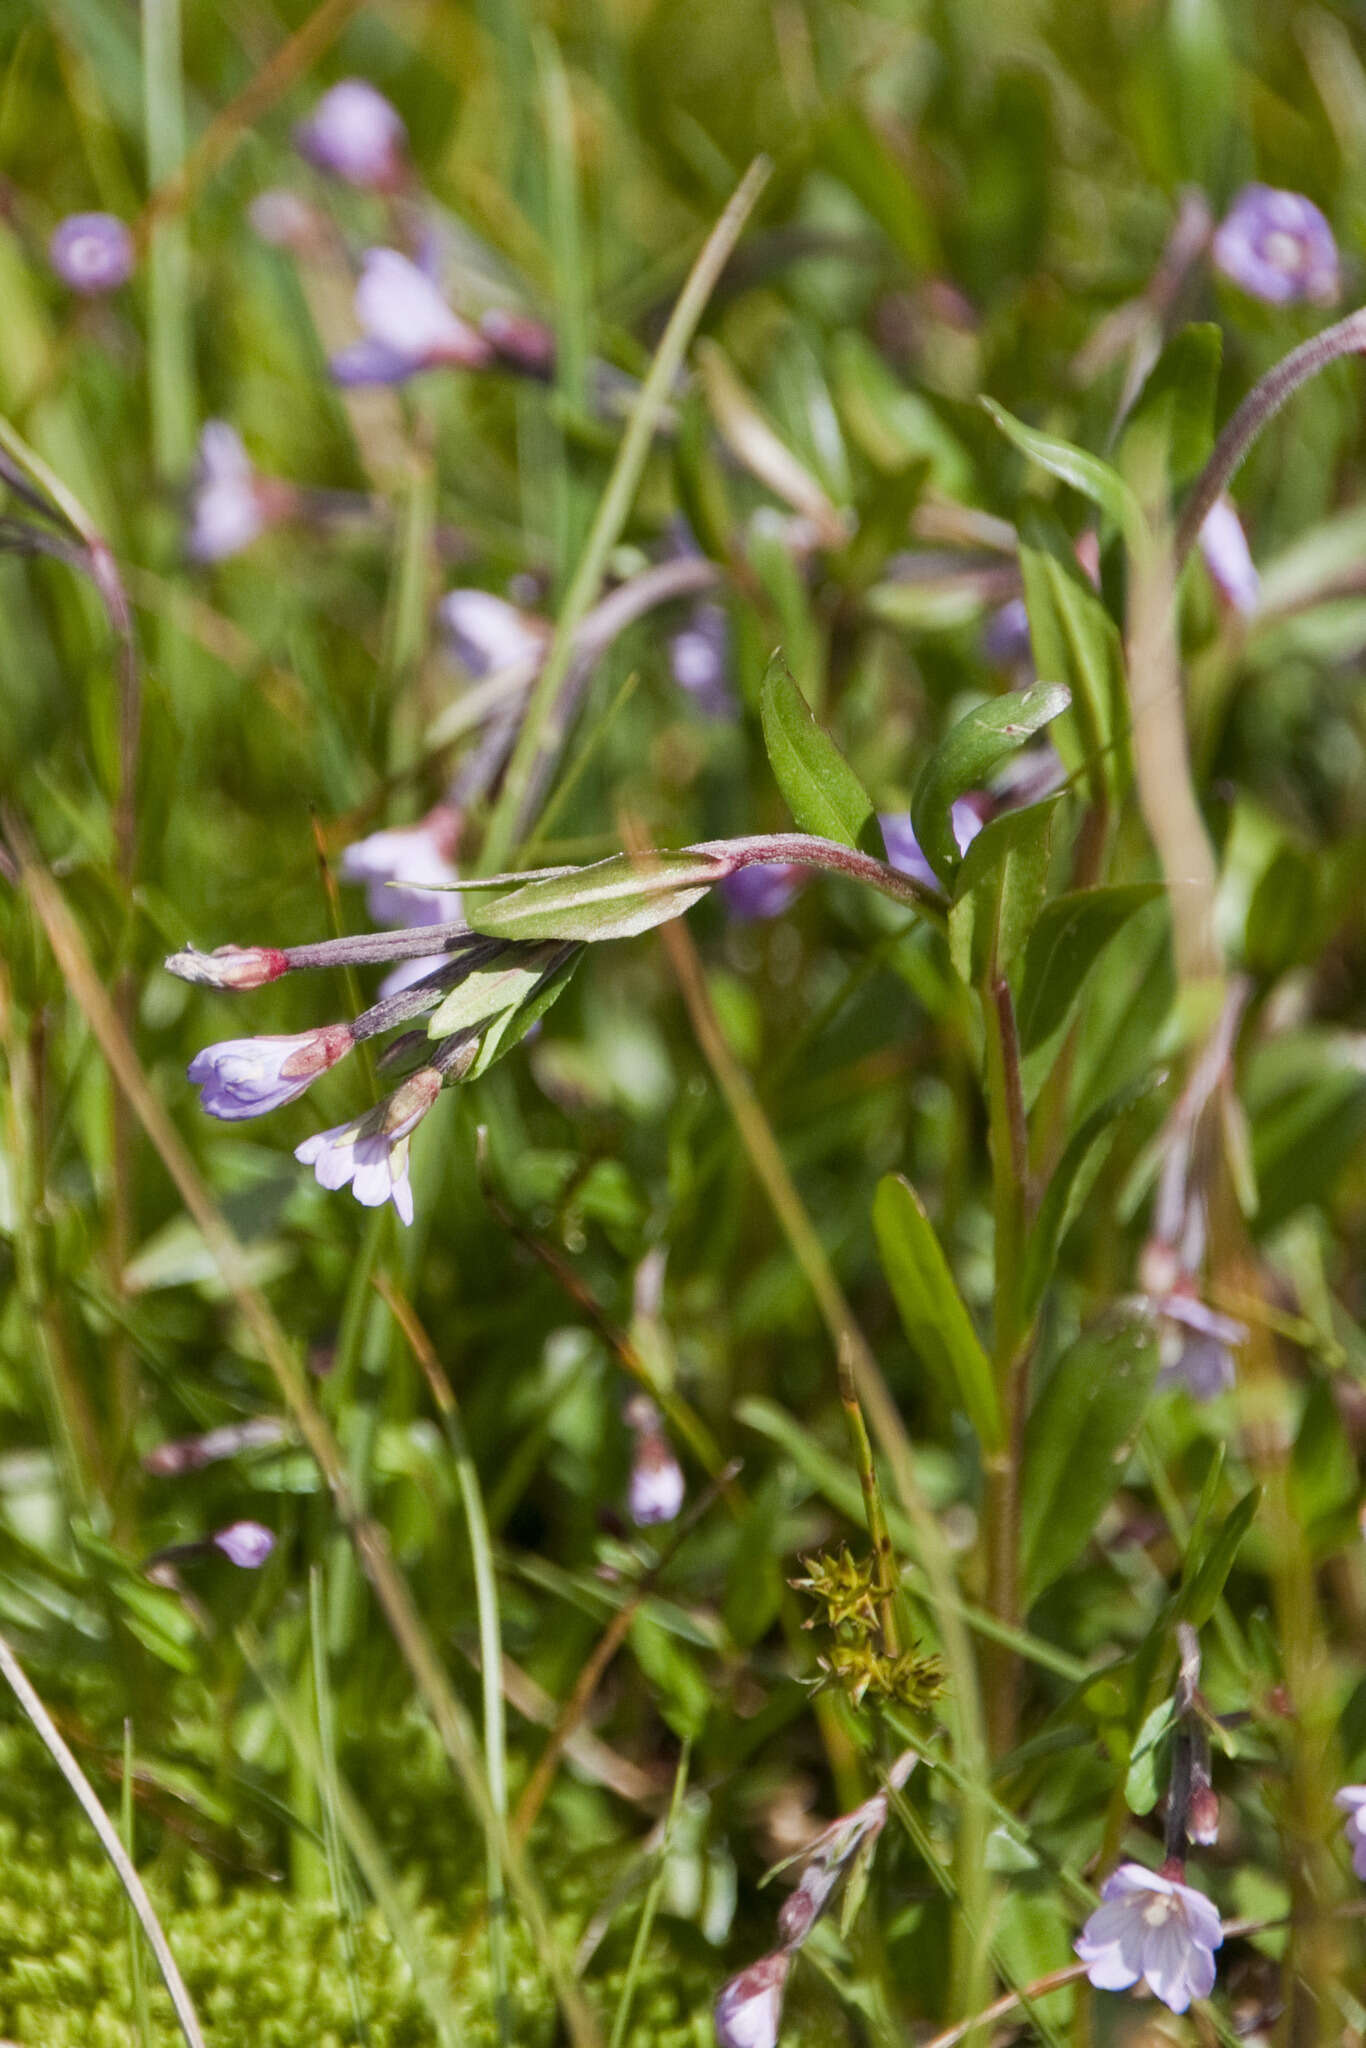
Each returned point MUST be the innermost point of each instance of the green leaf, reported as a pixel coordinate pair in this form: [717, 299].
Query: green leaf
[513, 1026]
[931, 1309]
[613, 899]
[489, 991]
[966, 756]
[1177, 401]
[1075, 639]
[1200, 1596]
[1077, 1444]
[1064, 946]
[990, 922]
[1148, 1760]
[822, 791]
[1073, 1178]
[1073, 466]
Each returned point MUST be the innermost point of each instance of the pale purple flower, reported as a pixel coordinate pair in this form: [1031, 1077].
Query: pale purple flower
[903, 848]
[699, 660]
[407, 872]
[1351, 1800]
[354, 133]
[372, 1153]
[406, 869]
[1197, 1346]
[243, 1077]
[1228, 557]
[406, 324]
[486, 634]
[749, 2008]
[1277, 246]
[762, 890]
[1005, 639]
[193, 1453]
[656, 1488]
[94, 253]
[245, 1544]
[1155, 1928]
[230, 503]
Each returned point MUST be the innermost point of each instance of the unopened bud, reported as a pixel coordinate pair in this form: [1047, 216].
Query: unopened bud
[229, 966]
[245, 1544]
[1202, 1818]
[749, 2008]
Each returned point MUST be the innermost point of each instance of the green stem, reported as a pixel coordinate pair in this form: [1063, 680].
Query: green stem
[541, 734]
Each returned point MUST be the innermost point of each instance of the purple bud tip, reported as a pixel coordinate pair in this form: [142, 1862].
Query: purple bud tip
[763, 890]
[245, 1544]
[93, 253]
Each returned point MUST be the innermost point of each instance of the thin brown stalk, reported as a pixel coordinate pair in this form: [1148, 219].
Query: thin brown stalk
[391, 1589]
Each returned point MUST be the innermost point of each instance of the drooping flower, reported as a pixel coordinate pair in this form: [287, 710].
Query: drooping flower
[230, 503]
[371, 1154]
[1223, 544]
[243, 1077]
[1351, 1800]
[749, 2008]
[656, 1487]
[93, 253]
[762, 890]
[699, 660]
[486, 633]
[355, 134]
[407, 326]
[1277, 246]
[245, 1544]
[1154, 1928]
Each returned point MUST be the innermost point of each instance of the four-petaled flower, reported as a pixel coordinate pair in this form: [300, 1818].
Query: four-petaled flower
[92, 252]
[354, 133]
[749, 2007]
[243, 1077]
[407, 326]
[372, 1153]
[1352, 1801]
[1155, 1928]
[1277, 246]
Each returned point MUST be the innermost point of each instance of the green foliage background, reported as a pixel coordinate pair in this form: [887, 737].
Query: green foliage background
[960, 197]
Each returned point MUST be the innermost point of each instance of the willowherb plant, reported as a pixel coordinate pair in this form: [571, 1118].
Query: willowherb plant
[1090, 1588]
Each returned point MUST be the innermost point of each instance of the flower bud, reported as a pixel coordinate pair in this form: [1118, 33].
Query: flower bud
[229, 966]
[1202, 1817]
[749, 2008]
[245, 1544]
[355, 134]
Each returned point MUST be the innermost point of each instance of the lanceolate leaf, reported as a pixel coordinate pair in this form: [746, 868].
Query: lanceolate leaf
[613, 899]
[1076, 1446]
[1065, 944]
[822, 791]
[1200, 1595]
[1085, 473]
[513, 1026]
[931, 1308]
[489, 991]
[966, 756]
